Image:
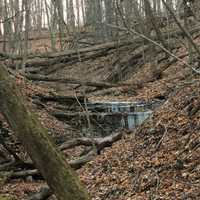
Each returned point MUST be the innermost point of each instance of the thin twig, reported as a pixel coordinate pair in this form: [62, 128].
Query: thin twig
[161, 140]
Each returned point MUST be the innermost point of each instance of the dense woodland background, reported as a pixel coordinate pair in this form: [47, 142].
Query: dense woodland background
[73, 21]
[36, 27]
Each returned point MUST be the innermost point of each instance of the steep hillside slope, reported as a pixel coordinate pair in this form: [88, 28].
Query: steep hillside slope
[160, 160]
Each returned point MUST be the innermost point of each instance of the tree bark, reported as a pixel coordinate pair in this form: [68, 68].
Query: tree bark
[60, 177]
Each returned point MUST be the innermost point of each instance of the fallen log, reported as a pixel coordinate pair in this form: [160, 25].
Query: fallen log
[45, 59]
[61, 62]
[102, 143]
[99, 143]
[78, 163]
[99, 47]
[72, 81]
[43, 194]
[48, 70]
[61, 99]
[67, 56]
[132, 63]
[78, 142]
[7, 166]
[23, 174]
[110, 45]
[75, 164]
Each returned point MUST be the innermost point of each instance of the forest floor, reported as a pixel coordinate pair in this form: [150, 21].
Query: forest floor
[158, 160]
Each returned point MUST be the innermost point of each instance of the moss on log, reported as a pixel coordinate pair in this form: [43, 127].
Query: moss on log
[6, 198]
[62, 180]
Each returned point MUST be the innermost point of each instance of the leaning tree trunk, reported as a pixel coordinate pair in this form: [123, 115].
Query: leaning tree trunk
[60, 177]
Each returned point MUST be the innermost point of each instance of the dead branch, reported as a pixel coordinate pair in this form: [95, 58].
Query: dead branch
[79, 162]
[61, 99]
[22, 174]
[72, 81]
[100, 143]
[78, 142]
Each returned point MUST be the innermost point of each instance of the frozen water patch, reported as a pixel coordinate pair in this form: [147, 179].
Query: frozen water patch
[108, 117]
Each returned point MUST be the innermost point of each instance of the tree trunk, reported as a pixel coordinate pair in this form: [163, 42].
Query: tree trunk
[60, 177]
